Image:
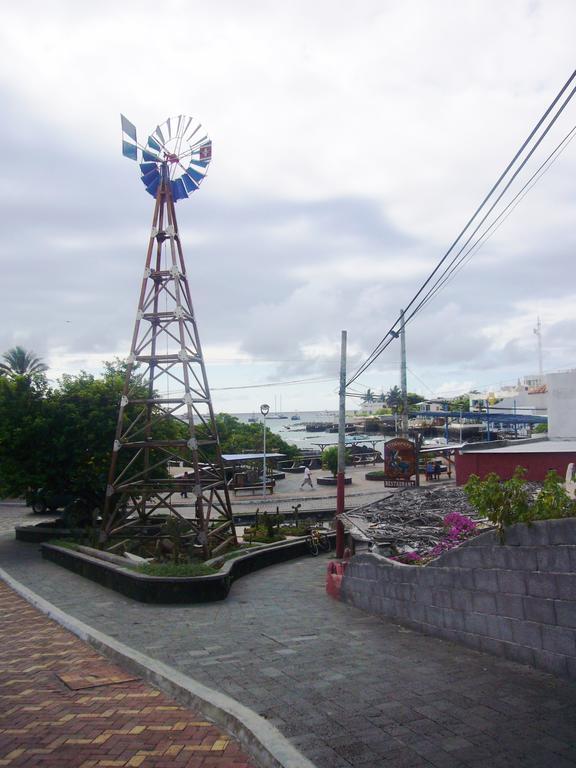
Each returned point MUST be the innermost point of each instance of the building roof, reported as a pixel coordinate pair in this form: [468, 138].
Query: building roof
[537, 446]
[251, 456]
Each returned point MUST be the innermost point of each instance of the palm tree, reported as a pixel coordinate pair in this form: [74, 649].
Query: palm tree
[368, 396]
[19, 362]
[394, 399]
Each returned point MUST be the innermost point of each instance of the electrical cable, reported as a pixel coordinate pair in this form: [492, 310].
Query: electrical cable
[497, 223]
[392, 333]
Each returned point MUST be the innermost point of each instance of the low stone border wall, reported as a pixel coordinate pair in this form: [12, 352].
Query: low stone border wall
[161, 589]
[516, 600]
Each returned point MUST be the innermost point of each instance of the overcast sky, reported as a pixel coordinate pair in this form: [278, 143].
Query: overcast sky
[351, 143]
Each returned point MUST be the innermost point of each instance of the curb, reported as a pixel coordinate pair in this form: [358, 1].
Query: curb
[261, 740]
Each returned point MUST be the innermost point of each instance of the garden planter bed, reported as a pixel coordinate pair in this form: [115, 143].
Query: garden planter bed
[332, 481]
[36, 534]
[376, 474]
[161, 589]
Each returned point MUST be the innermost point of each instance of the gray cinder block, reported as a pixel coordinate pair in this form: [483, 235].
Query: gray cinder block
[511, 606]
[484, 602]
[541, 584]
[551, 662]
[565, 613]
[559, 640]
[527, 633]
[539, 609]
[565, 586]
[556, 559]
[512, 582]
[500, 627]
[486, 580]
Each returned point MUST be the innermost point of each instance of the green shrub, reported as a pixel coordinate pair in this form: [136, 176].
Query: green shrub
[176, 569]
[510, 501]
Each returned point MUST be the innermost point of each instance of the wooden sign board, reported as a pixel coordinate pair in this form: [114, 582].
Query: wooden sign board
[400, 462]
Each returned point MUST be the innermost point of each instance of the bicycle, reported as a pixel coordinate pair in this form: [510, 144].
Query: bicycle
[318, 541]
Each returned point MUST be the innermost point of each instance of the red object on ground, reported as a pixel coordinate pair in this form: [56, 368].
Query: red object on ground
[334, 576]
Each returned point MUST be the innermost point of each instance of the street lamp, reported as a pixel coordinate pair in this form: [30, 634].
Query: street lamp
[264, 410]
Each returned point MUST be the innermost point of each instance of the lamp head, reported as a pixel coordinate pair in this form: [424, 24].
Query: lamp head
[264, 409]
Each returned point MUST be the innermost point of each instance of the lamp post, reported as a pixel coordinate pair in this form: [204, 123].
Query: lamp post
[264, 410]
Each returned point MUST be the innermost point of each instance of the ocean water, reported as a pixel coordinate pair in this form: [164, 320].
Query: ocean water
[294, 432]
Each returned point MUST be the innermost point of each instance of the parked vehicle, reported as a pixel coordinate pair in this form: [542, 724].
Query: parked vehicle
[43, 500]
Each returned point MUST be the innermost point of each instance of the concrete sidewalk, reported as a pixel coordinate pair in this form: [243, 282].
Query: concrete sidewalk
[62, 704]
[346, 688]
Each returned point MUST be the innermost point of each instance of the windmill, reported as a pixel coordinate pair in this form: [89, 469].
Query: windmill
[166, 418]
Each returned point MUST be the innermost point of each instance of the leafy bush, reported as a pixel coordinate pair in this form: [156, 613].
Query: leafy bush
[510, 501]
[330, 458]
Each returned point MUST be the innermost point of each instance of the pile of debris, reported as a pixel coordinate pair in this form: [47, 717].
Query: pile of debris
[411, 520]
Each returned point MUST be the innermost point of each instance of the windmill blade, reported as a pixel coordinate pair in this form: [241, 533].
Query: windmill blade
[129, 150]
[150, 157]
[189, 183]
[153, 187]
[195, 175]
[160, 135]
[128, 128]
[178, 190]
[149, 178]
[147, 167]
[154, 144]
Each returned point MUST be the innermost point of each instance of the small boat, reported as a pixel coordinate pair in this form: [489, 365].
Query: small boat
[295, 417]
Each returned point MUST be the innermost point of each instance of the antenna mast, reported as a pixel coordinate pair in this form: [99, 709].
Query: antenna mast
[538, 332]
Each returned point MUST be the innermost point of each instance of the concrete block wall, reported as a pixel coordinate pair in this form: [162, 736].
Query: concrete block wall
[516, 600]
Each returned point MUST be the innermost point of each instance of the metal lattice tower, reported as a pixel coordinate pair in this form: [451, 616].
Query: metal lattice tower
[166, 414]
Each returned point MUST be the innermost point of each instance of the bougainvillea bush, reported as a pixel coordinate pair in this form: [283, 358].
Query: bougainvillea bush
[456, 529]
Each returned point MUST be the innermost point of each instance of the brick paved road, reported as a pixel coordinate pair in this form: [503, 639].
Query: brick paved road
[63, 705]
[347, 688]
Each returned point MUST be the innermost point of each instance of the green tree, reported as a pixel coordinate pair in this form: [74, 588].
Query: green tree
[62, 439]
[24, 435]
[368, 396]
[19, 362]
[330, 459]
[394, 399]
[460, 403]
[236, 437]
[414, 398]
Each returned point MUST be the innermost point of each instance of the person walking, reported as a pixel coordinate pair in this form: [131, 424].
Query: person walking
[184, 491]
[307, 478]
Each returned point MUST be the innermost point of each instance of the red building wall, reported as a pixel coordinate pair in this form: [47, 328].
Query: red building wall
[504, 464]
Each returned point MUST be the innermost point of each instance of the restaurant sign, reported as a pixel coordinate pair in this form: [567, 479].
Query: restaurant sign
[400, 462]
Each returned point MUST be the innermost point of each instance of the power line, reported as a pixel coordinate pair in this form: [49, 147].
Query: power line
[274, 384]
[459, 261]
[392, 332]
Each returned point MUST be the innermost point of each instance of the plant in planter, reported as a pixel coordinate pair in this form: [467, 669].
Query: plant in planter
[510, 501]
[330, 459]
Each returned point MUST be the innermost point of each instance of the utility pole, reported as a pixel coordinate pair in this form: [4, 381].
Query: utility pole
[341, 450]
[538, 332]
[403, 384]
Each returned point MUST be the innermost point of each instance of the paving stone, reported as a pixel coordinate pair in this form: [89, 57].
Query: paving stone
[361, 667]
[102, 714]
